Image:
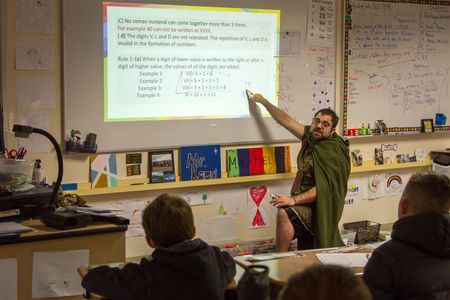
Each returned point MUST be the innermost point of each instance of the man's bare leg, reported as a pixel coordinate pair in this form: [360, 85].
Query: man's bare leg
[284, 231]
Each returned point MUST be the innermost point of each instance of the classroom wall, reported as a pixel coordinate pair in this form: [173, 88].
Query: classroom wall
[76, 166]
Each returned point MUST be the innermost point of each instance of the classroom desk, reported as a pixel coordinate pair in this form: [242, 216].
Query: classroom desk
[96, 238]
[281, 269]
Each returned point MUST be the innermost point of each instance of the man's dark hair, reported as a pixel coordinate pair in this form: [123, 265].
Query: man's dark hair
[328, 112]
[168, 220]
[428, 192]
[323, 282]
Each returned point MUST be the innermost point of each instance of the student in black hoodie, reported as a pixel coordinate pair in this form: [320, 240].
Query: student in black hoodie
[180, 267]
[415, 263]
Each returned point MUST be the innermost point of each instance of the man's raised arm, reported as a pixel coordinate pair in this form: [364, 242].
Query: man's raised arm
[280, 116]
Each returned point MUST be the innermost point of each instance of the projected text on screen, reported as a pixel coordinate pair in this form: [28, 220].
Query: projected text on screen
[178, 62]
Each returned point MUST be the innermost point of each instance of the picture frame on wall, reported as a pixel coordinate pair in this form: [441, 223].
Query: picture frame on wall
[161, 167]
[426, 125]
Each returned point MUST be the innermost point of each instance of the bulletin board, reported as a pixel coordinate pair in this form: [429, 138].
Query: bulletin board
[306, 79]
[397, 63]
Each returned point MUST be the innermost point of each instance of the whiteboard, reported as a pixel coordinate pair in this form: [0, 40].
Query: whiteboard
[397, 63]
[306, 83]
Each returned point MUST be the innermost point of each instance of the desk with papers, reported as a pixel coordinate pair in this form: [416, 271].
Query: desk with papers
[100, 243]
[283, 265]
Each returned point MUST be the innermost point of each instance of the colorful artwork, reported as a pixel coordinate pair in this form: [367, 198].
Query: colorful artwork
[161, 166]
[270, 166]
[103, 170]
[243, 161]
[133, 170]
[257, 161]
[200, 162]
[354, 192]
[232, 163]
[258, 207]
[199, 198]
[133, 158]
[395, 183]
[283, 159]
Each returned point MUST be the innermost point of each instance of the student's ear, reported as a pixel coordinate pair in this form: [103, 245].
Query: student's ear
[150, 242]
[403, 207]
[193, 232]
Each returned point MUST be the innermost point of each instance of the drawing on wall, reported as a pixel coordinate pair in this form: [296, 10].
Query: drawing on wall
[375, 188]
[103, 170]
[200, 162]
[35, 16]
[395, 183]
[199, 198]
[35, 53]
[231, 202]
[258, 207]
[396, 68]
[354, 191]
[35, 92]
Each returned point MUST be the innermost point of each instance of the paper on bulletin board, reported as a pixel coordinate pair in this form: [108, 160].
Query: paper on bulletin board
[8, 278]
[394, 183]
[132, 210]
[354, 191]
[35, 142]
[35, 92]
[258, 207]
[55, 273]
[321, 23]
[35, 16]
[35, 53]
[199, 198]
[373, 186]
[220, 229]
[230, 202]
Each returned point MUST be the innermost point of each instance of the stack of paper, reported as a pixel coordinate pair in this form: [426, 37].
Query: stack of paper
[344, 259]
[13, 228]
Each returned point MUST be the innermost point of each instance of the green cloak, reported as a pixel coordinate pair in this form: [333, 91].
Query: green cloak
[332, 170]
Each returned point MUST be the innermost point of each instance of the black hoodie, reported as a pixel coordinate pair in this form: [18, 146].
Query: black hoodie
[415, 264]
[189, 270]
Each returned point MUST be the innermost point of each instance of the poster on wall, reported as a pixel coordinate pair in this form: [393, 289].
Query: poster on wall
[258, 207]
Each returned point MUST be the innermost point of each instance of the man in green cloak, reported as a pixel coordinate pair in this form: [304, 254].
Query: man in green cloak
[313, 210]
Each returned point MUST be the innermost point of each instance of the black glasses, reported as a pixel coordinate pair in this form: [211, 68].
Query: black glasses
[324, 124]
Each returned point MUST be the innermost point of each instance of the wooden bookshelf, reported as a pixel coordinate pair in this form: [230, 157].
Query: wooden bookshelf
[140, 185]
[369, 166]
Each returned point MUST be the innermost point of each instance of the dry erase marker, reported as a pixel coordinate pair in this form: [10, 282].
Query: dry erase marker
[273, 196]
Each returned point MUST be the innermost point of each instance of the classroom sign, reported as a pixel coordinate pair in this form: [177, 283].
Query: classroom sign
[200, 162]
[258, 161]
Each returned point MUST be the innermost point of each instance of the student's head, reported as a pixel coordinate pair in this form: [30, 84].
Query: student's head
[324, 124]
[427, 192]
[167, 221]
[323, 282]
